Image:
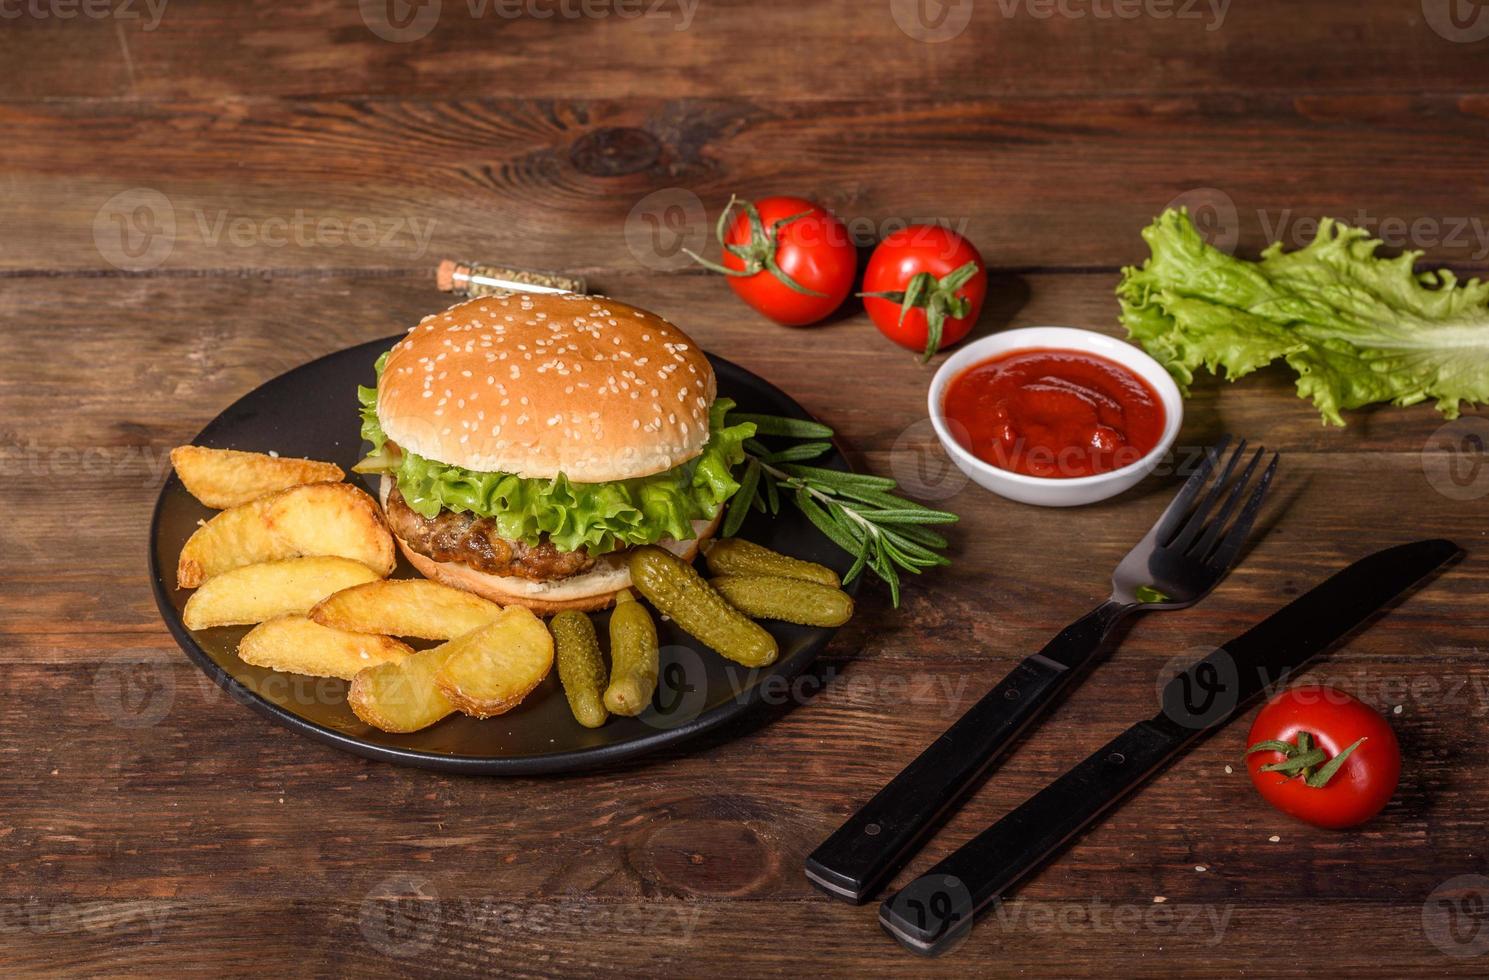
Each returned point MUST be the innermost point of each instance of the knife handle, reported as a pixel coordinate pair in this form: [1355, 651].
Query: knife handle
[870, 846]
[936, 909]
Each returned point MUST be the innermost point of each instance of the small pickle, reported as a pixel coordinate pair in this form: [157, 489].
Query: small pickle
[581, 669]
[633, 657]
[680, 592]
[791, 600]
[735, 556]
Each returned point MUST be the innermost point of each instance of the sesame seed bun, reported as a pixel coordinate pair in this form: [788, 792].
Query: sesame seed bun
[538, 385]
[594, 589]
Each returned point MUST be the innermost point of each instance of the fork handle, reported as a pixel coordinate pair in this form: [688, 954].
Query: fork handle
[875, 841]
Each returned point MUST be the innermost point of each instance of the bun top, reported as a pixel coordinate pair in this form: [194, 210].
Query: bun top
[538, 385]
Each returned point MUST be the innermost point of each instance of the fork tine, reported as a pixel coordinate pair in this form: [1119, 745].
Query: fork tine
[1225, 555]
[1169, 523]
[1196, 521]
[1212, 532]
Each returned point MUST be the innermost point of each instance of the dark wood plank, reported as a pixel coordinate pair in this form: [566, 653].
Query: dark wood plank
[719, 49]
[617, 187]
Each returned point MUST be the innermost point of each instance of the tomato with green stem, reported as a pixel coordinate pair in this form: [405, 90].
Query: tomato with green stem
[924, 288]
[788, 258]
[1323, 756]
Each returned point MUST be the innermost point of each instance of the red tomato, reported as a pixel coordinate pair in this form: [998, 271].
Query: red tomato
[1329, 720]
[813, 256]
[951, 289]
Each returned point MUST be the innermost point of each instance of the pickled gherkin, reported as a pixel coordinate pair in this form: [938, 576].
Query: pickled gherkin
[791, 600]
[678, 591]
[633, 657]
[735, 556]
[581, 669]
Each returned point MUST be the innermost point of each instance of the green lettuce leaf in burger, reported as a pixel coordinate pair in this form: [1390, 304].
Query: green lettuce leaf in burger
[526, 443]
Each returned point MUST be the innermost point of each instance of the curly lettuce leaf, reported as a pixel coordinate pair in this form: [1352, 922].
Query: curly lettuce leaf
[1357, 328]
[599, 517]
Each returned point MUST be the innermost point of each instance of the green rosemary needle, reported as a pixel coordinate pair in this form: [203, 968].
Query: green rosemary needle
[886, 533]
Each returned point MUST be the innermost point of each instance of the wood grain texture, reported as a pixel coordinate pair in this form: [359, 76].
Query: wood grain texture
[150, 825]
[601, 187]
[561, 49]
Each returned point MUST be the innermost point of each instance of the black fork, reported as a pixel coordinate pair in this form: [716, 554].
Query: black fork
[1180, 560]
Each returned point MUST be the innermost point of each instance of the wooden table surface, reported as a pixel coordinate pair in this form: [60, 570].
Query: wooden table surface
[197, 197]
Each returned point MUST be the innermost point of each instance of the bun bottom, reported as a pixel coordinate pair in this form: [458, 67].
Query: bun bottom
[595, 589]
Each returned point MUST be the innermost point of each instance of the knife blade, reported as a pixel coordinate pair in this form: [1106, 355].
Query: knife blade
[936, 910]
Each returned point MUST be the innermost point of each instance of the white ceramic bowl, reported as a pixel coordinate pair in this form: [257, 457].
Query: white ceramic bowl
[1049, 491]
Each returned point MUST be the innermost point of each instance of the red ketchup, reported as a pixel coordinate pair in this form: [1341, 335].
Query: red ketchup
[1054, 413]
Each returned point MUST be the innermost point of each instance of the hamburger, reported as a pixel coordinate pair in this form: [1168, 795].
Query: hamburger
[527, 443]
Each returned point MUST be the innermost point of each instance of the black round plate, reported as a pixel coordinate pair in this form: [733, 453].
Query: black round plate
[311, 412]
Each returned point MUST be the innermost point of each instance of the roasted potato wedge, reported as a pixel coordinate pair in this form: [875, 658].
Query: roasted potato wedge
[402, 697]
[223, 478]
[406, 607]
[295, 645]
[254, 593]
[315, 519]
[494, 668]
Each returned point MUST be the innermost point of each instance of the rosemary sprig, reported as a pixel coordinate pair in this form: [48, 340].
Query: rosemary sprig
[887, 534]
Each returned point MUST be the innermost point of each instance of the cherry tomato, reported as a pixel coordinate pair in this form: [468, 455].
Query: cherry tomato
[1322, 724]
[788, 258]
[924, 287]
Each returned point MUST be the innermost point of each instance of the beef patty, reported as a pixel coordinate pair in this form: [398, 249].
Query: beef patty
[474, 541]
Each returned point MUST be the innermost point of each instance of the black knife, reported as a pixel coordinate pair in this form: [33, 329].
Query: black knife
[937, 909]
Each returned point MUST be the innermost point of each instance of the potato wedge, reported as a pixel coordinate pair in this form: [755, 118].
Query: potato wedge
[315, 519]
[402, 697]
[495, 667]
[254, 593]
[223, 478]
[295, 645]
[406, 607]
